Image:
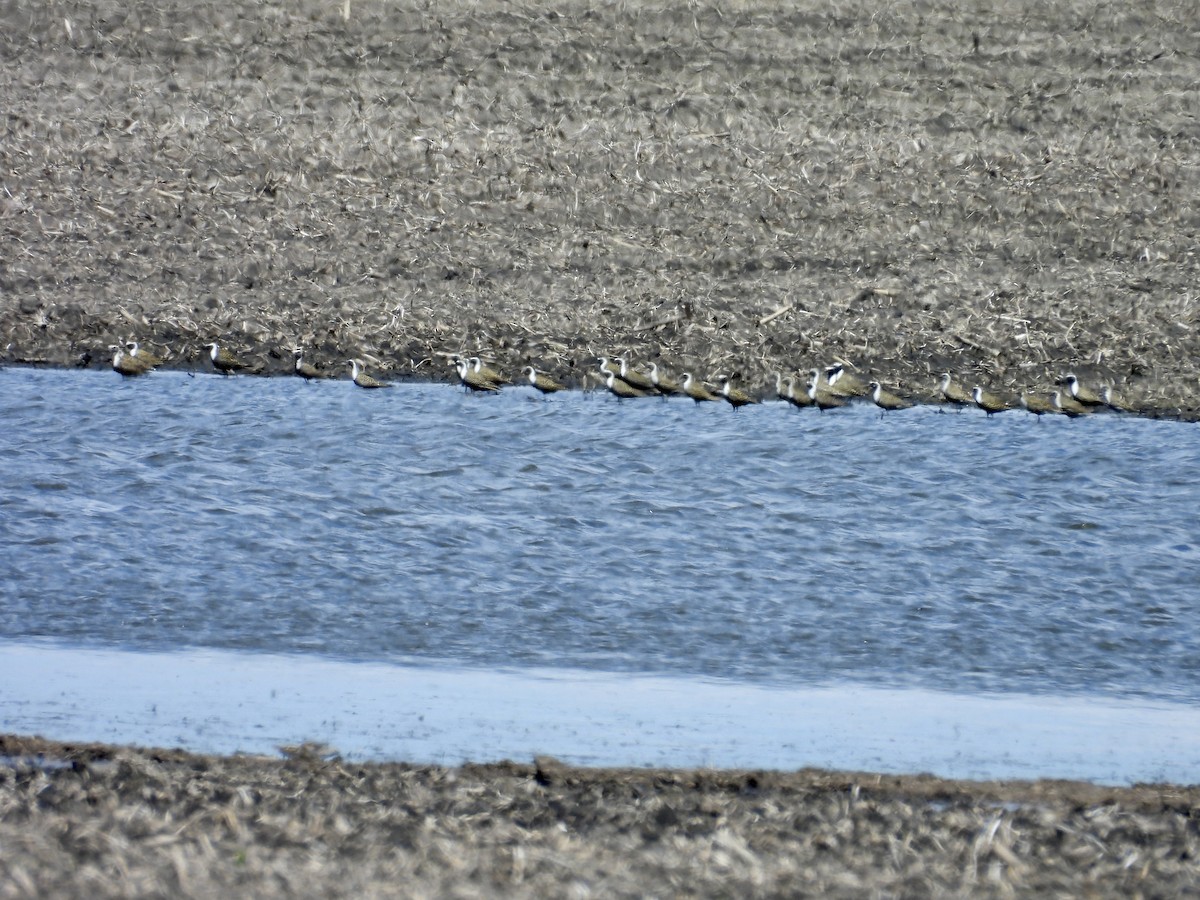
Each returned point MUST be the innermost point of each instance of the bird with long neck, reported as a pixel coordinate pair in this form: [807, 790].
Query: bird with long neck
[487, 373]
[841, 383]
[472, 380]
[126, 364]
[1037, 404]
[362, 379]
[1068, 406]
[734, 397]
[543, 383]
[305, 370]
[821, 398]
[794, 395]
[224, 361]
[1113, 401]
[954, 393]
[621, 389]
[697, 391]
[781, 387]
[989, 402]
[1079, 393]
[632, 378]
[663, 384]
[142, 355]
[886, 400]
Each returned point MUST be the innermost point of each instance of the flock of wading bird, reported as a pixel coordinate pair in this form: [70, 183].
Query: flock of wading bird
[830, 388]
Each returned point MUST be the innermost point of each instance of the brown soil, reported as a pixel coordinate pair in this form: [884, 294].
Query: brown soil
[1005, 190]
[96, 821]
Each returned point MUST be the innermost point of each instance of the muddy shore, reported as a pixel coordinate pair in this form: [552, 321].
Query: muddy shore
[1002, 191]
[1005, 191]
[93, 820]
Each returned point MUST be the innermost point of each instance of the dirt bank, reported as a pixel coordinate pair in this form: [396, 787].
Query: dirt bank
[98, 821]
[1003, 190]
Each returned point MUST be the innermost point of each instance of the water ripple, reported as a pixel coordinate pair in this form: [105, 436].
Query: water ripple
[923, 549]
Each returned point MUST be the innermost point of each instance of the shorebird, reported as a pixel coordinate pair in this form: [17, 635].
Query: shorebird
[1068, 406]
[143, 356]
[634, 379]
[662, 383]
[361, 378]
[732, 395]
[990, 403]
[128, 365]
[797, 398]
[224, 361]
[543, 383]
[781, 387]
[954, 393]
[1037, 404]
[820, 397]
[472, 380]
[886, 400]
[842, 384]
[307, 371]
[1114, 401]
[487, 373]
[1079, 393]
[606, 366]
[622, 389]
[696, 390]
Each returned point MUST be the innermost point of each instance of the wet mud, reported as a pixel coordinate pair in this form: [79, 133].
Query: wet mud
[1002, 191]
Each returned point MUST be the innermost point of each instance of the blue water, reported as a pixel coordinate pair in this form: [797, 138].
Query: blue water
[770, 546]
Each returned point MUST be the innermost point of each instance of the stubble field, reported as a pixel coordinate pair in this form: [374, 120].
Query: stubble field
[1003, 191]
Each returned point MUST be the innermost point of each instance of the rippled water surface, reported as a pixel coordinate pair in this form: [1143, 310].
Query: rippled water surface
[420, 525]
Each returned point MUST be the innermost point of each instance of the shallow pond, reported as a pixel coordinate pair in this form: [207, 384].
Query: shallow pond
[767, 547]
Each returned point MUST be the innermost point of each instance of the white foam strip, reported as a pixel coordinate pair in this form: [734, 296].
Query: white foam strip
[224, 702]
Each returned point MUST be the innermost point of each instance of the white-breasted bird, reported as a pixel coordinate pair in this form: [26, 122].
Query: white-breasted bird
[1079, 393]
[954, 393]
[696, 390]
[662, 383]
[472, 380]
[224, 361]
[632, 378]
[989, 402]
[128, 365]
[886, 400]
[487, 372]
[543, 383]
[734, 397]
[1068, 405]
[622, 389]
[796, 394]
[362, 379]
[1114, 401]
[821, 398]
[143, 355]
[305, 370]
[841, 383]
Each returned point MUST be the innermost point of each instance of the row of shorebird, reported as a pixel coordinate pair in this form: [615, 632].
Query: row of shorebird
[830, 388]
[131, 360]
[835, 387]
[825, 389]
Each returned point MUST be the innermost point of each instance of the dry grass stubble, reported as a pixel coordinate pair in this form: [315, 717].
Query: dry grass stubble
[1006, 191]
[100, 821]
[1002, 191]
